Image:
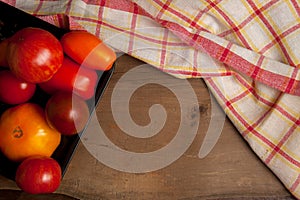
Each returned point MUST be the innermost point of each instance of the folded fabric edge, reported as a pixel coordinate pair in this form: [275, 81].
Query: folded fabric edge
[275, 74]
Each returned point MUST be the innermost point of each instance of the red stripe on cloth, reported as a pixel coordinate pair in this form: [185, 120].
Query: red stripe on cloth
[68, 7]
[283, 35]
[194, 22]
[250, 128]
[235, 114]
[164, 6]
[188, 38]
[258, 64]
[201, 12]
[101, 3]
[277, 148]
[174, 12]
[272, 31]
[248, 19]
[228, 103]
[163, 48]
[61, 21]
[171, 10]
[132, 29]
[38, 8]
[282, 83]
[196, 19]
[239, 97]
[225, 53]
[251, 88]
[263, 100]
[231, 23]
[237, 62]
[295, 184]
[254, 125]
[287, 157]
[296, 6]
[150, 39]
[100, 13]
[292, 81]
[269, 78]
[286, 114]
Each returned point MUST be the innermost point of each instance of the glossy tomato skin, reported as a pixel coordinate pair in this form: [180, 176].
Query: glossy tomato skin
[34, 54]
[14, 90]
[91, 53]
[72, 78]
[67, 112]
[38, 175]
[24, 132]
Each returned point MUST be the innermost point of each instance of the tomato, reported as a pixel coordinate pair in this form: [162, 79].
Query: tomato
[14, 90]
[34, 54]
[24, 132]
[38, 175]
[67, 112]
[3, 49]
[88, 50]
[72, 78]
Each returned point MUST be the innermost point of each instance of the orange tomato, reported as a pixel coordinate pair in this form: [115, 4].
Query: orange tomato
[88, 50]
[24, 132]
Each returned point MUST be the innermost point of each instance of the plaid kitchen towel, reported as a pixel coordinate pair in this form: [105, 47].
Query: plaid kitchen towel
[248, 53]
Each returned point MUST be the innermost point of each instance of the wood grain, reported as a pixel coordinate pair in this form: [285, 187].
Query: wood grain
[230, 171]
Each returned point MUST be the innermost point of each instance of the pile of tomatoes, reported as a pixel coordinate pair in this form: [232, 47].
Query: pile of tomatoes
[66, 69]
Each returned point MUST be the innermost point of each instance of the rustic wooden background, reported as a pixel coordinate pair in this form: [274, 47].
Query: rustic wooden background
[230, 171]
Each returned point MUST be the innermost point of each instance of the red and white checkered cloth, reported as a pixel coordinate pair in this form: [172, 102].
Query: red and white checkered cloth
[248, 53]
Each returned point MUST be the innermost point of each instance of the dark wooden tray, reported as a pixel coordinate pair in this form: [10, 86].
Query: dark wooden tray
[12, 20]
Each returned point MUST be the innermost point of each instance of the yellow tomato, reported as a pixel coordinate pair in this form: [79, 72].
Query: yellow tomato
[24, 132]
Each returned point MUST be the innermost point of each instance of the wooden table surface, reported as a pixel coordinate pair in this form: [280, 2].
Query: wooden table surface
[230, 171]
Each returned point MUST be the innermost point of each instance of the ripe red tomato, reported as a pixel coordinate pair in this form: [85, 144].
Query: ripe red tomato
[72, 78]
[91, 53]
[38, 175]
[14, 90]
[24, 132]
[67, 113]
[34, 54]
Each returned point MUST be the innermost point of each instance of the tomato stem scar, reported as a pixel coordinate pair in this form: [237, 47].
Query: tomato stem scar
[18, 132]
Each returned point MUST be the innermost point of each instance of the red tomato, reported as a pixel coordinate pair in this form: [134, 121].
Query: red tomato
[67, 113]
[88, 50]
[72, 78]
[34, 54]
[38, 175]
[14, 90]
